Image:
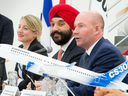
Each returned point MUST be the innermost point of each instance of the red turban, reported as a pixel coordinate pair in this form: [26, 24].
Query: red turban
[66, 12]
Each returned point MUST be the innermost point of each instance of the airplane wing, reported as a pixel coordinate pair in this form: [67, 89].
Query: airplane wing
[118, 85]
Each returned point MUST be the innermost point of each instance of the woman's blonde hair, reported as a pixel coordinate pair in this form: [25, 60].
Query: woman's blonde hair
[33, 23]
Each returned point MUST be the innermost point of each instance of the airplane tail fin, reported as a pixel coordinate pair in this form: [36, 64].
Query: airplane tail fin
[118, 73]
[114, 77]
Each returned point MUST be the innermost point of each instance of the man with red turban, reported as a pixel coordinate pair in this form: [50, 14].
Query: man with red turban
[61, 18]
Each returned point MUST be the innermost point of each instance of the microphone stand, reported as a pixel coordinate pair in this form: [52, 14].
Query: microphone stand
[32, 77]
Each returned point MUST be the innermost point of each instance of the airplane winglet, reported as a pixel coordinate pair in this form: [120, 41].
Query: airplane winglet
[72, 64]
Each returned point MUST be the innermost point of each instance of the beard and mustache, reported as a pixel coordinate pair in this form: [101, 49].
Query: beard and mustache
[65, 37]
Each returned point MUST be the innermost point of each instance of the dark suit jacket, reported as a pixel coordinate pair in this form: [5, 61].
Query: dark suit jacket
[72, 54]
[6, 37]
[6, 30]
[34, 46]
[104, 57]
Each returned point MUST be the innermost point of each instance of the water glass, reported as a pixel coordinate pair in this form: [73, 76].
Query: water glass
[12, 78]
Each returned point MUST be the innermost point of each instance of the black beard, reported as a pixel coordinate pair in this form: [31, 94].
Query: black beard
[65, 37]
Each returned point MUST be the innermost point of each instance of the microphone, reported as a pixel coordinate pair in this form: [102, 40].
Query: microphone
[47, 49]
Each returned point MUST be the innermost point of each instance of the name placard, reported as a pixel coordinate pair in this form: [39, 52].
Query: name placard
[32, 93]
[10, 91]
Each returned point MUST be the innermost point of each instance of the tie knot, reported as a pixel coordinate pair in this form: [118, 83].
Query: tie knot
[61, 51]
[86, 56]
[60, 54]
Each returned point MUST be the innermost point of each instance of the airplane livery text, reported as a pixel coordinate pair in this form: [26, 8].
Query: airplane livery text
[119, 69]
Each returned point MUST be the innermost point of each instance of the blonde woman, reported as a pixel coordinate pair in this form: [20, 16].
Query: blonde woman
[29, 32]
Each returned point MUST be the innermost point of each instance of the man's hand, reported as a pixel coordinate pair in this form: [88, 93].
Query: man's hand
[28, 86]
[3, 85]
[99, 91]
[38, 85]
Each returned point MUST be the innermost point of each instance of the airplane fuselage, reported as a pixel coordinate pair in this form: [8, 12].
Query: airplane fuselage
[40, 64]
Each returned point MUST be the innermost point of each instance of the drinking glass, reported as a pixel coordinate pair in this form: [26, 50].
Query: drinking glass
[12, 78]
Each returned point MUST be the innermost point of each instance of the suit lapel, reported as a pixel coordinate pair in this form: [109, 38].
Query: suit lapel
[32, 44]
[94, 50]
[68, 50]
[55, 56]
[97, 46]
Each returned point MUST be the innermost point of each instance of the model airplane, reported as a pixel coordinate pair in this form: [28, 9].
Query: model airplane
[40, 64]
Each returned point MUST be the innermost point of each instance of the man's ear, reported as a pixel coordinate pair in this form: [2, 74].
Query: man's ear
[97, 28]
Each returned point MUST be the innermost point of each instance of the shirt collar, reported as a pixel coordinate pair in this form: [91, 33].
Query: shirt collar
[65, 46]
[90, 49]
[26, 48]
